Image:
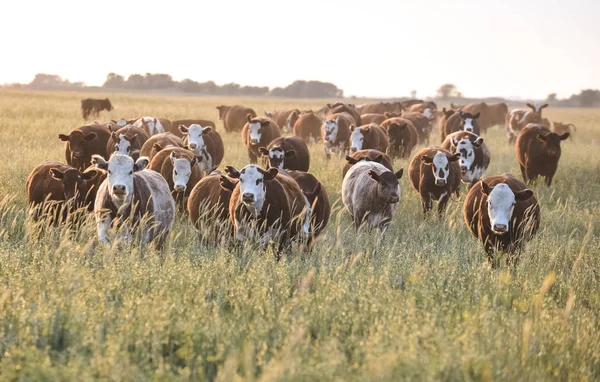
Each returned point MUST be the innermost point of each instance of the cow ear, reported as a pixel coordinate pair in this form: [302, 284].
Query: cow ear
[374, 175]
[476, 115]
[99, 162]
[89, 174]
[351, 160]
[64, 138]
[249, 117]
[232, 172]
[56, 174]
[158, 147]
[271, 173]
[226, 183]
[564, 136]
[114, 137]
[206, 130]
[478, 142]
[133, 138]
[141, 163]
[329, 106]
[366, 130]
[183, 129]
[541, 137]
[90, 136]
[454, 157]
[523, 194]
[172, 157]
[352, 127]
[399, 173]
[265, 123]
[427, 160]
[378, 158]
[543, 106]
[454, 141]
[290, 154]
[263, 151]
[485, 188]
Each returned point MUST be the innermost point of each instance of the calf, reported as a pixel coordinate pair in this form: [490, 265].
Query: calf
[127, 140]
[461, 121]
[368, 137]
[316, 194]
[258, 132]
[502, 213]
[538, 151]
[367, 155]
[336, 134]
[421, 123]
[131, 195]
[561, 128]
[289, 153]
[517, 119]
[435, 174]
[402, 135]
[150, 124]
[282, 118]
[234, 117]
[372, 118]
[206, 143]
[92, 106]
[339, 107]
[306, 126]
[158, 142]
[371, 193]
[474, 154]
[84, 142]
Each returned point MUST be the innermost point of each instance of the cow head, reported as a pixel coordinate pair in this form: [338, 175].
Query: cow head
[388, 187]
[182, 170]
[227, 183]
[428, 113]
[74, 183]
[78, 142]
[120, 169]
[123, 143]
[106, 105]
[466, 120]
[277, 155]
[440, 165]
[448, 112]
[466, 148]
[551, 143]
[357, 137]
[537, 108]
[396, 132]
[195, 134]
[331, 129]
[255, 128]
[222, 110]
[501, 202]
[253, 190]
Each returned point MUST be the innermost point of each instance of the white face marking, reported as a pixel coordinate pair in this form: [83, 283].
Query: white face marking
[120, 179]
[123, 146]
[467, 154]
[182, 170]
[276, 156]
[537, 107]
[468, 124]
[427, 113]
[255, 133]
[441, 168]
[195, 138]
[331, 130]
[121, 122]
[252, 186]
[501, 202]
[356, 140]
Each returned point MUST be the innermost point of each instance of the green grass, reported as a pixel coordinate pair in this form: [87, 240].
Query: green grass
[419, 303]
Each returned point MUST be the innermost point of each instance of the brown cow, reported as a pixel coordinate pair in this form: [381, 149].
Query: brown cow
[282, 118]
[538, 151]
[491, 115]
[317, 197]
[421, 123]
[561, 128]
[286, 153]
[158, 142]
[502, 213]
[151, 125]
[435, 174]
[340, 107]
[474, 154]
[372, 118]
[234, 117]
[446, 113]
[306, 125]
[336, 134]
[93, 107]
[461, 121]
[370, 136]
[380, 108]
[368, 155]
[258, 132]
[127, 140]
[187, 122]
[206, 143]
[428, 109]
[83, 142]
[402, 135]
[517, 119]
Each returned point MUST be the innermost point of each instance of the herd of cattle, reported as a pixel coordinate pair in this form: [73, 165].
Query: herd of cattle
[145, 170]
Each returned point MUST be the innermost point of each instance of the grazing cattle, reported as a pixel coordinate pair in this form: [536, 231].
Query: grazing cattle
[133, 196]
[336, 134]
[234, 117]
[258, 132]
[435, 174]
[367, 155]
[461, 121]
[55, 189]
[491, 115]
[158, 142]
[306, 126]
[151, 125]
[370, 136]
[316, 194]
[188, 122]
[372, 118]
[402, 135]
[286, 153]
[538, 151]
[93, 107]
[370, 193]
[474, 154]
[127, 140]
[561, 128]
[206, 143]
[208, 207]
[83, 142]
[268, 204]
[180, 169]
[282, 118]
[517, 119]
[502, 213]
[421, 123]
[339, 107]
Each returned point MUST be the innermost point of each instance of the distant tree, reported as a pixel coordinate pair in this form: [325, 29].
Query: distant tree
[551, 97]
[413, 94]
[448, 90]
[114, 80]
[589, 97]
[135, 81]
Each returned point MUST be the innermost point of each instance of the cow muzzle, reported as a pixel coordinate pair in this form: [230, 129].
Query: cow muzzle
[193, 146]
[353, 149]
[119, 189]
[500, 229]
[394, 199]
[248, 198]
[179, 188]
[77, 154]
[254, 142]
[440, 182]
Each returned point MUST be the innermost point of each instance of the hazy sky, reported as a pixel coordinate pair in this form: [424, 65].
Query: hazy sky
[368, 48]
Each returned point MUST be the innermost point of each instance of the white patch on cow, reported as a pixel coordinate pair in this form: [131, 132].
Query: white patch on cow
[252, 184]
[467, 157]
[153, 128]
[501, 202]
[255, 133]
[195, 139]
[120, 179]
[123, 146]
[121, 122]
[306, 226]
[182, 170]
[427, 113]
[468, 125]
[537, 107]
[441, 165]
[278, 155]
[331, 130]
[356, 140]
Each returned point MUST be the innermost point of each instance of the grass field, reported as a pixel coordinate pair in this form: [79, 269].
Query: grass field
[419, 303]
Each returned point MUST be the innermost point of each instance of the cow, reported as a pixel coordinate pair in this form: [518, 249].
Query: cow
[282, 118]
[93, 107]
[428, 109]
[234, 117]
[380, 108]
[336, 134]
[56, 190]
[206, 143]
[446, 113]
[503, 214]
[188, 122]
[421, 123]
[286, 153]
[158, 142]
[435, 174]
[134, 198]
[370, 136]
[258, 132]
[367, 155]
[316, 194]
[402, 135]
[306, 125]
[370, 193]
[561, 128]
[538, 152]
[461, 121]
[83, 142]
[339, 107]
[151, 125]
[491, 115]
[372, 118]
[269, 204]
[474, 154]
[517, 119]
[127, 140]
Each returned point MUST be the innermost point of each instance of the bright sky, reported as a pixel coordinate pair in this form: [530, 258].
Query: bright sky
[511, 48]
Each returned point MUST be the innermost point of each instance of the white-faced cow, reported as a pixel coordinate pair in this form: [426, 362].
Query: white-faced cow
[286, 153]
[258, 132]
[370, 136]
[474, 154]
[336, 133]
[206, 143]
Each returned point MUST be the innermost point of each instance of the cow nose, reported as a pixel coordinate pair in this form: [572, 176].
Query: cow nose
[500, 228]
[440, 182]
[394, 198]
[469, 129]
[77, 154]
[352, 149]
[254, 141]
[248, 197]
[179, 188]
[463, 169]
[119, 189]
[193, 146]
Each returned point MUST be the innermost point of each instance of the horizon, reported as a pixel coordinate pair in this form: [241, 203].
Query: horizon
[375, 54]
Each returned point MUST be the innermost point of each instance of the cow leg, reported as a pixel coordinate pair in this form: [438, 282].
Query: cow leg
[524, 173]
[531, 175]
[549, 180]
[342, 150]
[442, 203]
[327, 149]
[103, 225]
[426, 203]
[240, 232]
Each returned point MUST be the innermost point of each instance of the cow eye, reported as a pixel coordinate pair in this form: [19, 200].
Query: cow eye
[109, 172]
[258, 181]
[130, 172]
[175, 172]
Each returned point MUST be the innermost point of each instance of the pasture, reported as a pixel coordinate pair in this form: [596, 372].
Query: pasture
[418, 303]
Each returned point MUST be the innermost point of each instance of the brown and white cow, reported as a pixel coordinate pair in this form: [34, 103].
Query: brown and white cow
[370, 136]
[502, 213]
[538, 152]
[336, 134]
[306, 125]
[421, 123]
[491, 115]
[517, 119]
[428, 109]
[157, 142]
[402, 135]
[206, 144]
[367, 155]
[474, 154]
[151, 125]
[435, 174]
[127, 140]
[461, 121]
[370, 193]
[372, 118]
[258, 132]
[282, 118]
[188, 122]
[316, 194]
[234, 117]
[286, 153]
[83, 142]
[133, 197]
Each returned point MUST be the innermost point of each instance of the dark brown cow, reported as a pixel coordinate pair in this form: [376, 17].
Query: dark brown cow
[446, 113]
[93, 107]
[370, 136]
[84, 142]
[340, 107]
[474, 154]
[307, 126]
[286, 153]
[206, 143]
[561, 128]
[538, 151]
[55, 189]
[502, 213]
[282, 118]
[158, 142]
[461, 121]
[491, 115]
[174, 129]
[258, 132]
[336, 133]
[435, 174]
[368, 155]
[372, 118]
[316, 194]
[421, 123]
[403, 136]
[127, 140]
[234, 117]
